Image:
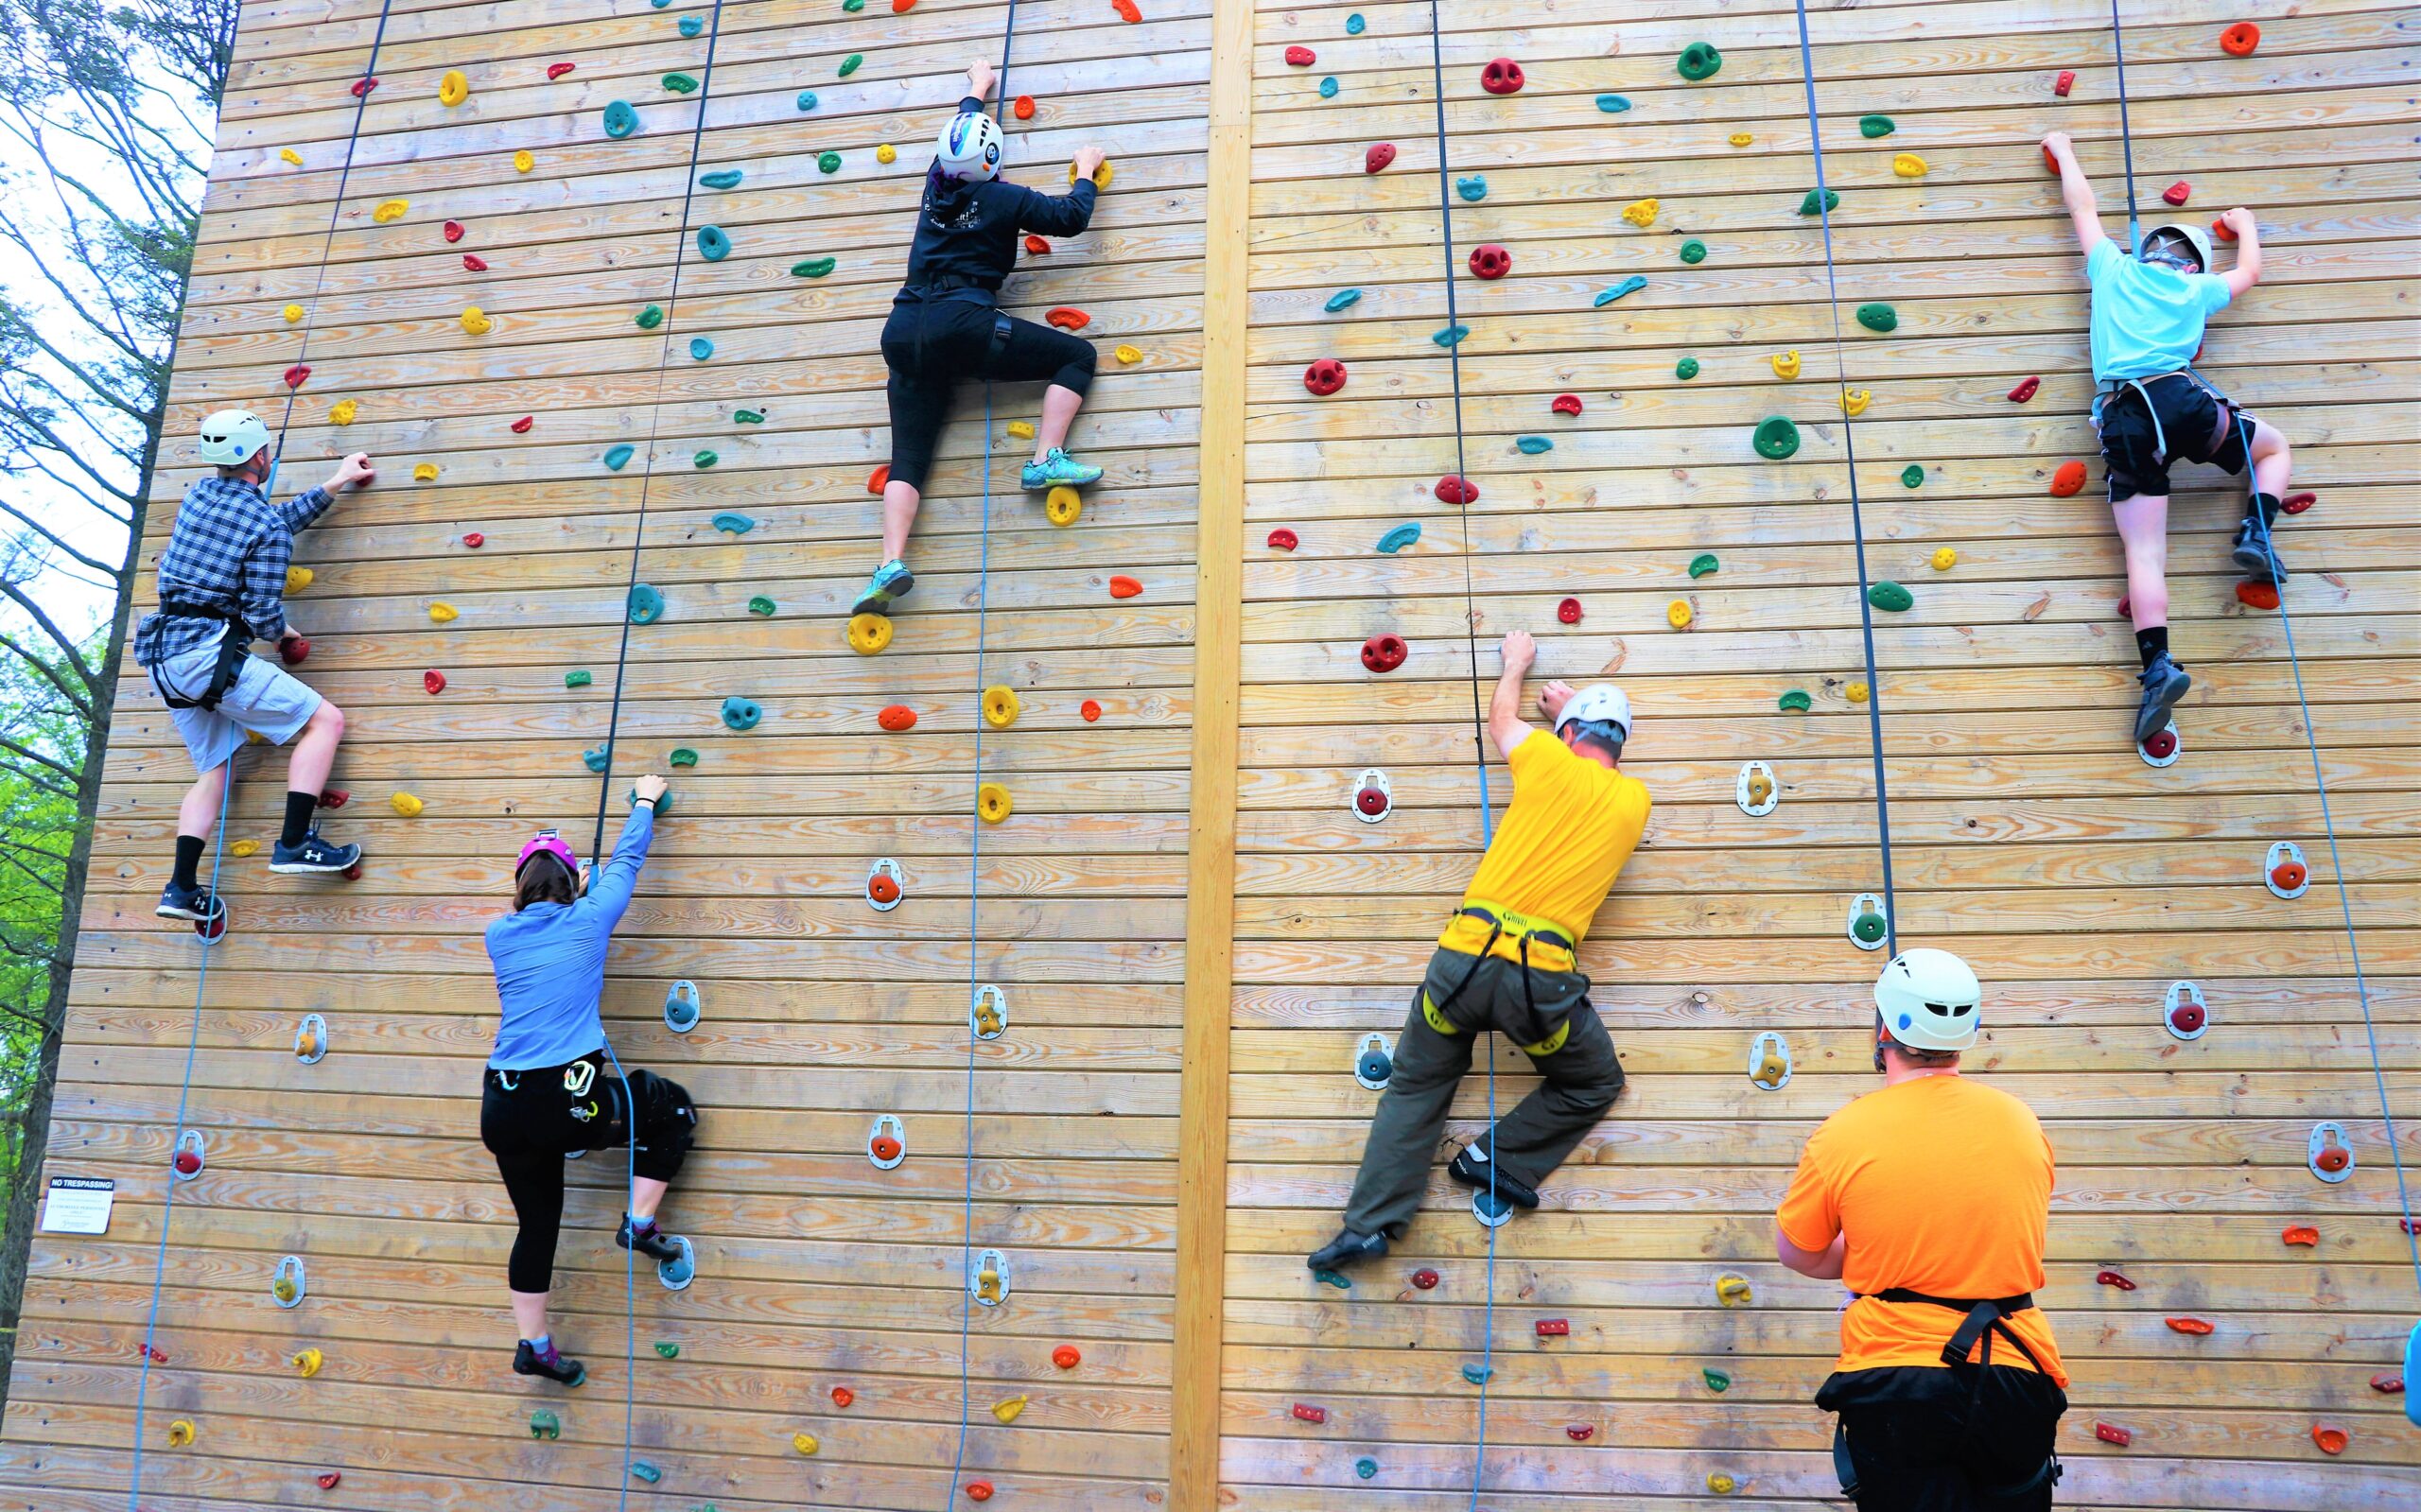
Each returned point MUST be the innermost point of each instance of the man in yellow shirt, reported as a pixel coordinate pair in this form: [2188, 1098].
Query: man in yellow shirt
[1928, 1199]
[1506, 962]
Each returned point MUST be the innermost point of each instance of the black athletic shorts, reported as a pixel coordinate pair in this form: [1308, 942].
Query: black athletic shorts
[1933, 1438]
[2195, 424]
[931, 345]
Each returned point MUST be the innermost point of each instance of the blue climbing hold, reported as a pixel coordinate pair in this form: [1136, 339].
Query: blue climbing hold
[741, 713]
[1478, 1375]
[1342, 299]
[806, 99]
[1353, 25]
[596, 760]
[1628, 285]
[1328, 87]
[700, 349]
[1532, 445]
[1365, 1467]
[620, 120]
[1474, 188]
[617, 456]
[1402, 536]
[721, 179]
[1612, 104]
[736, 522]
[646, 604]
[1450, 335]
[714, 245]
[1336, 1278]
[645, 1471]
[691, 26]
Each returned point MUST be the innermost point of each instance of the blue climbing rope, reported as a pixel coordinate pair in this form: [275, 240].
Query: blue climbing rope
[226, 790]
[1858, 513]
[1479, 721]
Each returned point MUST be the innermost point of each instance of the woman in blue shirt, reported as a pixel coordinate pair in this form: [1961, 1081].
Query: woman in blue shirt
[547, 1096]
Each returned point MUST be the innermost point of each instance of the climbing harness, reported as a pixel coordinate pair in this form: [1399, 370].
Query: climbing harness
[1985, 1317]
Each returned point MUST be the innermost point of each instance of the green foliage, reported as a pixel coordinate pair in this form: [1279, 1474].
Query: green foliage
[38, 803]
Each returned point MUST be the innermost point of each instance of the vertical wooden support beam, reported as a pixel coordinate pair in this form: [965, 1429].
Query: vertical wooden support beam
[1211, 897]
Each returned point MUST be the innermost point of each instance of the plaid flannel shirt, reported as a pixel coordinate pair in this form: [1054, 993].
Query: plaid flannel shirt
[230, 549]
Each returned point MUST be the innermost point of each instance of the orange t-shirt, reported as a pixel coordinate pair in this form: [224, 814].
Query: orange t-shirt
[1944, 1185]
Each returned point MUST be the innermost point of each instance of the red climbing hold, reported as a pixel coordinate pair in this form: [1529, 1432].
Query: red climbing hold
[1037, 247]
[2387, 1384]
[2114, 1278]
[1122, 586]
[897, 718]
[1378, 155]
[1301, 57]
[2333, 1157]
[1491, 261]
[1023, 109]
[1385, 652]
[433, 680]
[2194, 1326]
[1305, 1412]
[559, 70]
[188, 1162]
[2222, 230]
[2067, 478]
[353, 873]
[295, 374]
[2025, 391]
[1065, 1357]
[474, 263]
[2331, 1440]
[2239, 39]
[475, 540]
[2303, 1234]
[843, 1396]
[2063, 83]
[329, 1480]
[453, 231]
[884, 889]
[361, 87]
[1127, 10]
[2160, 745]
[1066, 318]
[1580, 1433]
[336, 797]
[1424, 1279]
[1324, 376]
[2258, 595]
[292, 650]
[2297, 503]
[1566, 403]
[1282, 539]
[1090, 709]
[160, 1357]
[2178, 193]
[979, 1490]
[879, 480]
[521, 426]
[1455, 489]
[1502, 75]
[2188, 1017]
[2052, 162]
[2112, 1434]
[1372, 799]
[882, 1146]
[1569, 611]
[1554, 1328]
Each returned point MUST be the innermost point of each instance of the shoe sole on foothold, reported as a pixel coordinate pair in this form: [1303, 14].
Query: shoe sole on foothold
[293, 868]
[1504, 1186]
[2150, 721]
[171, 911]
[875, 600]
[2256, 567]
[1481, 1213]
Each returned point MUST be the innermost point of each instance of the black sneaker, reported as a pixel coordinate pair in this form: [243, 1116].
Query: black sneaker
[2165, 683]
[1349, 1249]
[197, 903]
[557, 1366]
[313, 855]
[656, 1243]
[1471, 1167]
[2257, 552]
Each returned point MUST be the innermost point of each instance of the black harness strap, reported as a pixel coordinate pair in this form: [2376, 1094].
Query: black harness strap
[1985, 1317]
[234, 647]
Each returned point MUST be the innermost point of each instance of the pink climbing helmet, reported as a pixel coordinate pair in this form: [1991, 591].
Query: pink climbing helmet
[548, 842]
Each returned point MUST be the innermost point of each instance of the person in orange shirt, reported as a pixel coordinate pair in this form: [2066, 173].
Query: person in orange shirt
[1506, 962]
[1928, 1199]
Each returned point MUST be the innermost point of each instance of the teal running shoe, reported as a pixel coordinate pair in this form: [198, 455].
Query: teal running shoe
[1058, 467]
[890, 580]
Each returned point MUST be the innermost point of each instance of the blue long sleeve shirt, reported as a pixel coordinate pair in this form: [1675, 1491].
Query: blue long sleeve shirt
[550, 961]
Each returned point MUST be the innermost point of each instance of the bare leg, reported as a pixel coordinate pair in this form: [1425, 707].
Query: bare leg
[899, 502]
[2270, 461]
[529, 1313]
[645, 1194]
[199, 810]
[2143, 530]
[1059, 407]
[315, 750]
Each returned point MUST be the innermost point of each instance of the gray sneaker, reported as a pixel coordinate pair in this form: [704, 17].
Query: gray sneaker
[2165, 683]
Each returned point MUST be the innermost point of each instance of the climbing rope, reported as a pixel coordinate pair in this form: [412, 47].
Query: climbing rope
[1479, 723]
[1858, 514]
[2126, 137]
[226, 791]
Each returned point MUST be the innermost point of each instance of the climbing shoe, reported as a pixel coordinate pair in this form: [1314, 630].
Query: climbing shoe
[2165, 683]
[1349, 1249]
[1471, 1167]
[554, 1364]
[1058, 467]
[197, 903]
[313, 854]
[890, 580]
[676, 1263]
[2257, 552]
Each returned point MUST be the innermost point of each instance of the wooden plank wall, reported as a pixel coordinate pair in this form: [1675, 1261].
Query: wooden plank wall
[817, 1270]
[2027, 835]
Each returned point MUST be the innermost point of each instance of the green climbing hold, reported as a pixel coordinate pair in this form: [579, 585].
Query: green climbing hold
[1776, 438]
[1698, 60]
[748, 417]
[760, 606]
[1400, 537]
[853, 7]
[1353, 25]
[849, 64]
[714, 243]
[620, 120]
[1809, 207]
[1478, 1375]
[1870, 928]
[617, 457]
[828, 161]
[1797, 700]
[1891, 596]
[806, 99]
[691, 26]
[1874, 126]
[1704, 564]
[667, 1348]
[1686, 369]
[1912, 476]
[596, 760]
[741, 714]
[700, 349]
[1717, 1379]
[646, 604]
[1341, 299]
[579, 679]
[1336, 1278]
[1450, 335]
[638, 1467]
[1532, 445]
[544, 1424]
[1474, 188]
[1628, 285]
[680, 84]
[681, 755]
[704, 459]
[1694, 251]
[1365, 1467]
[650, 317]
[721, 179]
[1878, 317]
[1612, 104]
[814, 267]
[736, 522]
[1328, 87]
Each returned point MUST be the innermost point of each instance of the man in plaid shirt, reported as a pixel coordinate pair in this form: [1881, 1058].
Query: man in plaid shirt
[222, 585]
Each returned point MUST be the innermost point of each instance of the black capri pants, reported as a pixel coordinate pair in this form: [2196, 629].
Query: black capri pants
[529, 1121]
[932, 345]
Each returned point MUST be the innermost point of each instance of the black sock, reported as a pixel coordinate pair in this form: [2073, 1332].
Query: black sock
[188, 860]
[2151, 643]
[298, 817]
[2265, 507]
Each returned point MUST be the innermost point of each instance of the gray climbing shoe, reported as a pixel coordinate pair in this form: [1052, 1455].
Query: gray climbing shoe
[2165, 683]
[2257, 552]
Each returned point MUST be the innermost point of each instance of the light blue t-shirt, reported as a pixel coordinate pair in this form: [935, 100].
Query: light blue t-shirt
[550, 961]
[2147, 319]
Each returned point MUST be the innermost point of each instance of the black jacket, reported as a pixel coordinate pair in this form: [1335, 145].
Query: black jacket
[968, 230]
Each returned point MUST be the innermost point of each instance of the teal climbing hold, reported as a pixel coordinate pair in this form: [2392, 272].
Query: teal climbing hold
[814, 267]
[1478, 1375]
[760, 606]
[577, 679]
[1912, 476]
[1336, 1278]
[680, 756]
[1328, 87]
[544, 1424]
[1776, 438]
[1795, 701]
[1343, 298]
[1400, 537]
[667, 1348]
[646, 604]
[849, 64]
[1890, 596]
[1612, 104]
[659, 4]
[806, 99]
[721, 179]
[596, 760]
[853, 7]
[663, 805]
[1353, 25]
[703, 460]
[1451, 336]
[642, 1469]
[748, 417]
[1698, 61]
[828, 161]
[736, 522]
[700, 349]
[1628, 285]
[680, 84]
[1474, 188]
[620, 120]
[714, 243]
[1686, 369]
[1874, 126]
[650, 317]
[1717, 1379]
[1704, 564]
[691, 26]
[1878, 317]
[617, 456]
[1532, 445]
[1365, 1467]
[741, 714]
[1808, 205]
[1694, 251]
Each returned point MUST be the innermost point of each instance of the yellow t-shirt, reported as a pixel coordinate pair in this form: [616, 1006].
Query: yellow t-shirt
[1562, 842]
[1944, 1185]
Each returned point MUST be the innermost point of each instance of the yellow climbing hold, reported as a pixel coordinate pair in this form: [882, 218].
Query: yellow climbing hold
[1854, 401]
[1129, 356]
[298, 578]
[1909, 166]
[180, 1432]
[1101, 175]
[453, 89]
[1720, 1483]
[1640, 211]
[1676, 614]
[292, 313]
[1022, 429]
[406, 804]
[389, 210]
[1732, 1291]
[290, 155]
[244, 847]
[1786, 363]
[476, 321]
[443, 614]
[424, 472]
[806, 1443]
[306, 1362]
[869, 634]
[1739, 139]
[1063, 505]
[1001, 705]
[1944, 560]
[886, 153]
[1858, 692]
[342, 411]
[524, 161]
[1008, 1411]
[992, 802]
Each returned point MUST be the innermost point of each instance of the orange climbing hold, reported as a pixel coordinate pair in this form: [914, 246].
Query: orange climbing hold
[2198, 1327]
[2068, 480]
[879, 480]
[884, 889]
[900, 8]
[843, 1396]
[2331, 1440]
[1023, 109]
[1123, 586]
[1065, 1357]
[1127, 11]
[1090, 709]
[2258, 595]
[2303, 1234]
[2221, 231]
[1066, 318]
[1037, 247]
[979, 1490]
[897, 718]
[2239, 39]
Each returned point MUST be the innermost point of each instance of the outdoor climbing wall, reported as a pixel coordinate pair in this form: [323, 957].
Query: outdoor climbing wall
[2025, 833]
[518, 450]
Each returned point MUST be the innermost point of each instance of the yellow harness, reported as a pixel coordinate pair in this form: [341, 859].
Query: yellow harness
[1481, 929]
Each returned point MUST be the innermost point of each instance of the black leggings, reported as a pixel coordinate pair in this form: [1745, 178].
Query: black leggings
[931, 345]
[529, 1121]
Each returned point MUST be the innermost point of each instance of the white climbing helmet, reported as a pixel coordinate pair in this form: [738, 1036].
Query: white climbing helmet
[1929, 1000]
[969, 147]
[2194, 236]
[1597, 703]
[230, 437]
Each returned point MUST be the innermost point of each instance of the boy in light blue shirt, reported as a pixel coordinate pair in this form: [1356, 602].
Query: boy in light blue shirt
[2149, 313]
